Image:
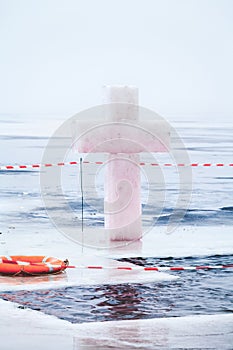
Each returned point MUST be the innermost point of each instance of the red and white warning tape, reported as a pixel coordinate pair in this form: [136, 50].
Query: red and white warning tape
[35, 166]
[61, 164]
[153, 268]
[126, 268]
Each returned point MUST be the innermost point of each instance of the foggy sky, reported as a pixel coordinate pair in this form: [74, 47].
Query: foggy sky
[55, 55]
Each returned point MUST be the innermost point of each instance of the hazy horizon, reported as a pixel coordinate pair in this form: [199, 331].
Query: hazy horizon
[57, 55]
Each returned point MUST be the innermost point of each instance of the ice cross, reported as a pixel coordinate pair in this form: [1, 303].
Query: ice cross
[123, 136]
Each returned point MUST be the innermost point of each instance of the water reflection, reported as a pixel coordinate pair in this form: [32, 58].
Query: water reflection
[120, 302]
[141, 334]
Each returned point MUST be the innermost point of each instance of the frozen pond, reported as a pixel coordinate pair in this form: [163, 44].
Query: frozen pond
[204, 237]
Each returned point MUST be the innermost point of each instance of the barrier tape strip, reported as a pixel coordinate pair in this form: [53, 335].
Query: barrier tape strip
[153, 268]
[61, 164]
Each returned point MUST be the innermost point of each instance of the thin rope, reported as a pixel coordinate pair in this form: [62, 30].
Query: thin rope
[81, 188]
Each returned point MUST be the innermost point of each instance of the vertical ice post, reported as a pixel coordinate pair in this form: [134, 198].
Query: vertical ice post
[122, 206]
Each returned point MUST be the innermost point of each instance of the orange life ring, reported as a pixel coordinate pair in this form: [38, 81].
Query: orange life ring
[31, 265]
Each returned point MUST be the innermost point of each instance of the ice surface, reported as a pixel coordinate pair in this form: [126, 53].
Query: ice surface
[185, 241]
[27, 329]
[54, 244]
